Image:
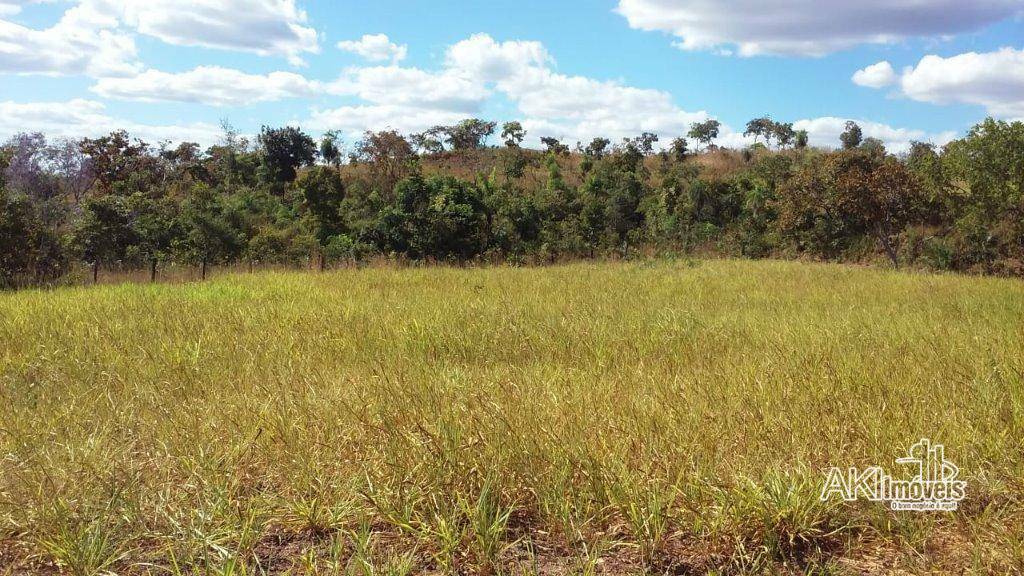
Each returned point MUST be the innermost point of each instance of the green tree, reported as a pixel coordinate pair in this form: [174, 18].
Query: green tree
[470, 134]
[153, 224]
[679, 149]
[989, 166]
[984, 175]
[873, 146]
[554, 146]
[330, 148]
[389, 156]
[597, 148]
[437, 217]
[114, 159]
[763, 127]
[515, 219]
[323, 193]
[610, 200]
[104, 232]
[784, 133]
[851, 136]
[207, 236]
[642, 144]
[514, 161]
[513, 134]
[924, 161]
[19, 236]
[705, 132]
[430, 141]
[283, 151]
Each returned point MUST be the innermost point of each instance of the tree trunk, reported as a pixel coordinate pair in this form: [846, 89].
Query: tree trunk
[96, 272]
[323, 261]
[152, 270]
[202, 270]
[250, 266]
[889, 250]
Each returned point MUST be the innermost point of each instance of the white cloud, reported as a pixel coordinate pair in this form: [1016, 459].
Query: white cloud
[264, 27]
[375, 48]
[824, 132]
[994, 80]
[82, 118]
[403, 98]
[481, 57]
[549, 104]
[563, 106]
[449, 90]
[579, 108]
[445, 91]
[84, 41]
[13, 7]
[211, 85]
[354, 120]
[96, 37]
[809, 27]
[877, 75]
[474, 71]
[571, 108]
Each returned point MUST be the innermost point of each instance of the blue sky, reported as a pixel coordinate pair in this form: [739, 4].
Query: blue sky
[168, 69]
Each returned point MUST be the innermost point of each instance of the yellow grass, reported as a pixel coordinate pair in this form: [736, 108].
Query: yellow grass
[622, 417]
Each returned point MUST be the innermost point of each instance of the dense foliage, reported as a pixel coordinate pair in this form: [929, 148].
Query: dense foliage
[444, 195]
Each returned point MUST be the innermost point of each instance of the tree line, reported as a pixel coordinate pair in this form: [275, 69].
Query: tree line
[445, 195]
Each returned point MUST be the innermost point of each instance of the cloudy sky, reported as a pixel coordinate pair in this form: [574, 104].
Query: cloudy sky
[573, 69]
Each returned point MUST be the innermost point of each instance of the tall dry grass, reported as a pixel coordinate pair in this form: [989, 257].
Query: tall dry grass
[588, 418]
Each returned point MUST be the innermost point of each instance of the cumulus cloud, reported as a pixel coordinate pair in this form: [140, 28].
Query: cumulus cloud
[565, 106]
[579, 108]
[474, 70]
[809, 27]
[448, 89]
[877, 75]
[481, 57]
[547, 102]
[824, 132]
[994, 80]
[79, 117]
[265, 27]
[85, 40]
[14, 7]
[403, 98]
[375, 48]
[354, 120]
[211, 85]
[96, 37]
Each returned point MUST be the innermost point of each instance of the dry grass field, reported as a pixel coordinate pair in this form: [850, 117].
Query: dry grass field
[598, 418]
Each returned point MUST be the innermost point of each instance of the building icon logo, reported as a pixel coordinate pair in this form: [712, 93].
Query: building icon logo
[934, 485]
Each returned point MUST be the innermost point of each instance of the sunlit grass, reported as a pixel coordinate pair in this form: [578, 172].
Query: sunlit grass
[620, 417]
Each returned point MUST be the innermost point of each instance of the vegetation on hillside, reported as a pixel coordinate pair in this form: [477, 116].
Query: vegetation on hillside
[444, 195]
[617, 418]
